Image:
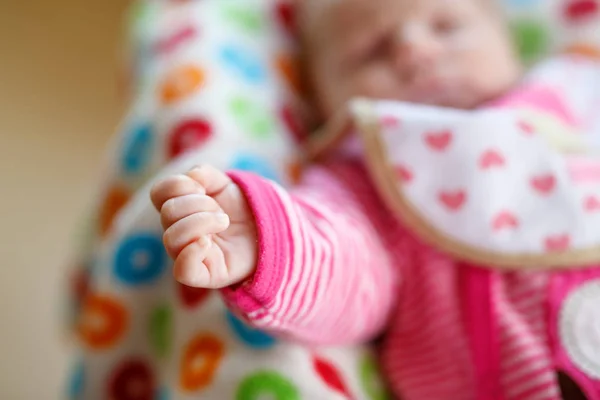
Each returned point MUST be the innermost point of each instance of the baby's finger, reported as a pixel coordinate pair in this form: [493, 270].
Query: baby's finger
[220, 187]
[189, 268]
[216, 266]
[192, 228]
[178, 208]
[175, 186]
[212, 179]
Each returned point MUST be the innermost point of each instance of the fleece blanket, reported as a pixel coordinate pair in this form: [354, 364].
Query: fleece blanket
[213, 82]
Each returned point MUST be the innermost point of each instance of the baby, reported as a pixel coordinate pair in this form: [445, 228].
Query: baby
[325, 263]
[449, 53]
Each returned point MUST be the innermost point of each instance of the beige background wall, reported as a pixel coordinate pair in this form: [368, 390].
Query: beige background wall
[58, 105]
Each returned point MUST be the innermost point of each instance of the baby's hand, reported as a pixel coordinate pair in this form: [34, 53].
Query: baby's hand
[209, 229]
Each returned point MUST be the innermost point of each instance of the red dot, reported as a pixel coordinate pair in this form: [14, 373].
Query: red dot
[331, 376]
[189, 135]
[294, 125]
[169, 43]
[285, 13]
[80, 284]
[577, 10]
[132, 380]
[191, 297]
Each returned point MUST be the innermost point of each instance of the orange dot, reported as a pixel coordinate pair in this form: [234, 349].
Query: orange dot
[201, 358]
[584, 49]
[181, 82]
[115, 199]
[294, 171]
[102, 323]
[288, 68]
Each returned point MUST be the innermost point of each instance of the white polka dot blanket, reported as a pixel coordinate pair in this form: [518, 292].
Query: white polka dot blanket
[212, 82]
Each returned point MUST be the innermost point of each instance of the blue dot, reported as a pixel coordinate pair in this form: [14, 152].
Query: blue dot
[252, 337]
[140, 259]
[137, 149]
[243, 62]
[77, 382]
[256, 165]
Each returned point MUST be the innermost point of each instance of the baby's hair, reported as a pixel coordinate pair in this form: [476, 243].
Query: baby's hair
[495, 6]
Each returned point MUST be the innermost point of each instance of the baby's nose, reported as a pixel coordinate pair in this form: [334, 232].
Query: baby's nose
[416, 48]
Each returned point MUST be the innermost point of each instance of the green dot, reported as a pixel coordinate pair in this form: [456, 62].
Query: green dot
[137, 15]
[371, 380]
[141, 11]
[160, 330]
[251, 118]
[244, 17]
[241, 107]
[261, 127]
[267, 384]
[532, 39]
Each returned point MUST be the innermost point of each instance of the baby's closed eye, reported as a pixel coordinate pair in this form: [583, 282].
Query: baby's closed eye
[366, 30]
[445, 25]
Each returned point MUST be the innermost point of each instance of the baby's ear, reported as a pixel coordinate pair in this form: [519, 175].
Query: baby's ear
[307, 12]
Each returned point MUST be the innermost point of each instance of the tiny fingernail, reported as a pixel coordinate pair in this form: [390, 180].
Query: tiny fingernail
[204, 241]
[223, 218]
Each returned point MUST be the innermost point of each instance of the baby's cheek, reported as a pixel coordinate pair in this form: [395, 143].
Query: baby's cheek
[488, 74]
[362, 83]
[499, 61]
[380, 82]
[502, 76]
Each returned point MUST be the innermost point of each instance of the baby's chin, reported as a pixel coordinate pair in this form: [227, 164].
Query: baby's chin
[448, 97]
[463, 100]
[458, 102]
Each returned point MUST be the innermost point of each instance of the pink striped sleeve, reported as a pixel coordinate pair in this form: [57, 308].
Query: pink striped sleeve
[324, 274]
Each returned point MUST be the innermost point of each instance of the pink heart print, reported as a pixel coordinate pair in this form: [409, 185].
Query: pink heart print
[544, 184]
[491, 159]
[390, 122]
[592, 204]
[505, 220]
[526, 128]
[558, 243]
[438, 141]
[404, 174]
[453, 201]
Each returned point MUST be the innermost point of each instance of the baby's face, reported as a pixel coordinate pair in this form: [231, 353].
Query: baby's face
[453, 53]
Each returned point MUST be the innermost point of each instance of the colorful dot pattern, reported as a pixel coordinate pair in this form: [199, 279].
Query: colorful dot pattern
[251, 337]
[540, 27]
[140, 259]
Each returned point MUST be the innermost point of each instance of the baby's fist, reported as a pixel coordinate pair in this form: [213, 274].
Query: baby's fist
[209, 229]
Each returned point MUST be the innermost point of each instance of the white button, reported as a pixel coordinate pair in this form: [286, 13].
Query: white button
[579, 326]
